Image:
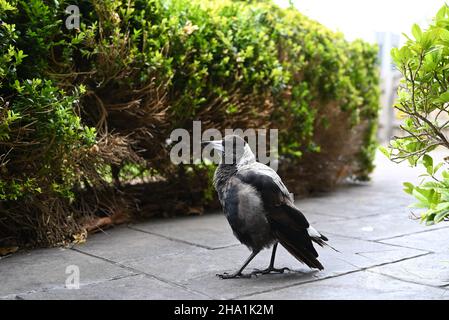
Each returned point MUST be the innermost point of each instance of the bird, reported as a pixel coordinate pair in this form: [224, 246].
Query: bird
[260, 209]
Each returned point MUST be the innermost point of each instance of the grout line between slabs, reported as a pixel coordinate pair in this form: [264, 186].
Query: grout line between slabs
[294, 284]
[22, 295]
[401, 246]
[387, 238]
[343, 217]
[144, 273]
[404, 280]
[412, 233]
[182, 241]
[444, 287]
[330, 277]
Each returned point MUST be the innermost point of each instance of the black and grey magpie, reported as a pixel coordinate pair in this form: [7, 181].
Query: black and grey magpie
[259, 207]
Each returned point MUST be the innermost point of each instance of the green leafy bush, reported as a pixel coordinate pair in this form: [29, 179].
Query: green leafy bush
[423, 103]
[45, 149]
[105, 97]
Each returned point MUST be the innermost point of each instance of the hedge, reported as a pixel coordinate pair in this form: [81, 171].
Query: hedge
[83, 112]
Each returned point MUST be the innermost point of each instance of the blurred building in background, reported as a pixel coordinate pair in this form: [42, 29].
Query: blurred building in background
[390, 78]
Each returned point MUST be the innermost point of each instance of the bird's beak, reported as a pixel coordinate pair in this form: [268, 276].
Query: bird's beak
[216, 144]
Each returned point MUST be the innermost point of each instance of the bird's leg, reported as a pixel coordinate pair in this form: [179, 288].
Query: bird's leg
[239, 273]
[271, 267]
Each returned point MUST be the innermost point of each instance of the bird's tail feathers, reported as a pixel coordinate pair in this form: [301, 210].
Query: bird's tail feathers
[322, 242]
[304, 255]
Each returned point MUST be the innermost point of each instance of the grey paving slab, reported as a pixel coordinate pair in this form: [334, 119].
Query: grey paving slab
[355, 286]
[431, 269]
[365, 254]
[135, 249]
[138, 287]
[390, 224]
[354, 202]
[46, 268]
[168, 259]
[210, 231]
[217, 288]
[390, 176]
[432, 240]
[195, 267]
[353, 255]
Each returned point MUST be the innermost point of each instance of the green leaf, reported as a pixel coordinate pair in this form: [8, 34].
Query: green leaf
[440, 216]
[443, 98]
[430, 185]
[441, 13]
[418, 205]
[445, 174]
[385, 151]
[418, 194]
[423, 175]
[395, 55]
[442, 206]
[408, 187]
[416, 32]
[428, 163]
[444, 35]
[444, 194]
[437, 167]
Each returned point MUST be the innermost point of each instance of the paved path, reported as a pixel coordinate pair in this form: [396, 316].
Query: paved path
[384, 255]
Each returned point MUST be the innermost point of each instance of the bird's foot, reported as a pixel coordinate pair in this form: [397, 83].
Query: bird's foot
[270, 270]
[234, 275]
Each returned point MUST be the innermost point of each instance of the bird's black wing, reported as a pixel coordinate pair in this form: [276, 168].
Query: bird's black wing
[288, 224]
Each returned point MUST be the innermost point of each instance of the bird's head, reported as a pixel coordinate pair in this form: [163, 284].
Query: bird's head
[233, 150]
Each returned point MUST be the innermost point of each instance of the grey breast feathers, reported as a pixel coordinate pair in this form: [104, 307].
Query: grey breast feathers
[245, 212]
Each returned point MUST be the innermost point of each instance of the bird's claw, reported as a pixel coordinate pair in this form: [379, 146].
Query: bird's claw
[270, 270]
[226, 275]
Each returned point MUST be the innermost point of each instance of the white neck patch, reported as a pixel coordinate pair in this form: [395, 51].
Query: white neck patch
[247, 158]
